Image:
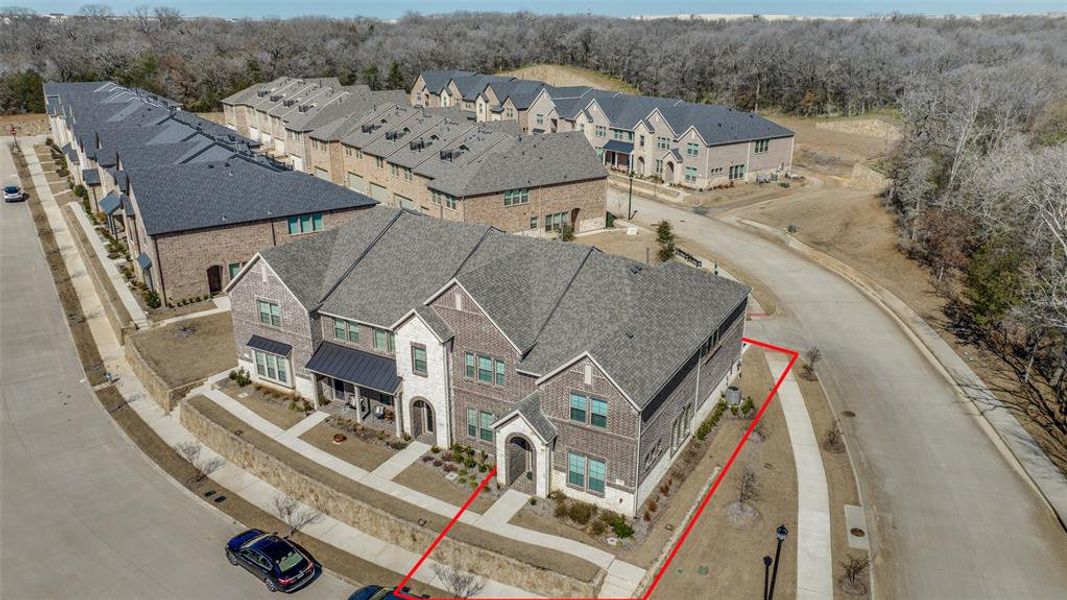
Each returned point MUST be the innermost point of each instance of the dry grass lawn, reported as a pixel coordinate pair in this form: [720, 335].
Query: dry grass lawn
[272, 406]
[363, 454]
[27, 124]
[181, 356]
[563, 75]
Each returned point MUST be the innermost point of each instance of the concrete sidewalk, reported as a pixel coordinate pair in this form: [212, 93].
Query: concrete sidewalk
[624, 578]
[815, 580]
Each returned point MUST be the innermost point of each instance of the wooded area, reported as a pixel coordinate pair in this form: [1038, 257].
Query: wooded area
[980, 178]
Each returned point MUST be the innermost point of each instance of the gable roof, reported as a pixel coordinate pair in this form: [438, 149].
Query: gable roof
[527, 161]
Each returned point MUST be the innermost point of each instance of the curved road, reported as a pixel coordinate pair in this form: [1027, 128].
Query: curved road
[83, 514]
[951, 518]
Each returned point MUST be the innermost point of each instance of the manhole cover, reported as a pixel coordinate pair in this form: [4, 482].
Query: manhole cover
[856, 531]
[848, 413]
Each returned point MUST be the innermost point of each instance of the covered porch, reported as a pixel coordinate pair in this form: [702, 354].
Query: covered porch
[359, 384]
[617, 155]
[524, 440]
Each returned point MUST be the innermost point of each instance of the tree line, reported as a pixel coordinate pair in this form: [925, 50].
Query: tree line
[979, 179]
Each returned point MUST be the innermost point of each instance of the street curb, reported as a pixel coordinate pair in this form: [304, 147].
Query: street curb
[875, 292]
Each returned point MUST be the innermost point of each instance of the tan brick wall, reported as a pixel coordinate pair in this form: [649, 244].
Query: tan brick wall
[587, 196]
[185, 257]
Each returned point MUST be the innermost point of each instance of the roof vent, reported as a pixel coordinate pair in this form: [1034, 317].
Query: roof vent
[635, 269]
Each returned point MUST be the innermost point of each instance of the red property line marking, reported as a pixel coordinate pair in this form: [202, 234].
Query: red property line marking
[793, 355]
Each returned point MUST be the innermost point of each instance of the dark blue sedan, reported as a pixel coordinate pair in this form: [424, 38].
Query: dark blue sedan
[278, 562]
[377, 592]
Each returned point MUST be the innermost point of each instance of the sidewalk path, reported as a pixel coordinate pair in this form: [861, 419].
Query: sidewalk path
[815, 579]
[504, 509]
[396, 463]
[622, 578]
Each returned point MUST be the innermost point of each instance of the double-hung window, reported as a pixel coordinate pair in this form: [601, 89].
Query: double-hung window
[663, 143]
[737, 172]
[472, 423]
[578, 407]
[533, 222]
[272, 366]
[485, 369]
[515, 197]
[601, 131]
[469, 362]
[418, 359]
[485, 429]
[691, 174]
[540, 119]
[235, 268]
[762, 146]
[598, 413]
[501, 376]
[383, 341]
[270, 313]
[555, 221]
[692, 149]
[586, 473]
[345, 330]
[305, 223]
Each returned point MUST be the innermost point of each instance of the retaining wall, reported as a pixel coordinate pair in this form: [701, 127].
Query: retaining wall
[117, 316]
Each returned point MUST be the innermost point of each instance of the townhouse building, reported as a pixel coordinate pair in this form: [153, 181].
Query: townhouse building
[576, 370]
[190, 198]
[681, 143]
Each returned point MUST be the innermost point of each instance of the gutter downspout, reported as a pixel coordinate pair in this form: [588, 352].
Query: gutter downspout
[162, 286]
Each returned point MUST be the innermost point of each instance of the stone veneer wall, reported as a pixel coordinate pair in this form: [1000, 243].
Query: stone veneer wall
[381, 524]
[164, 395]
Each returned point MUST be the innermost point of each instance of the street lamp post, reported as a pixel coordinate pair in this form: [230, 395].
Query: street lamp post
[781, 533]
[766, 574]
[630, 202]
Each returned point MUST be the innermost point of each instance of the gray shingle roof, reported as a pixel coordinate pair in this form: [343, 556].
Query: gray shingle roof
[437, 80]
[553, 299]
[210, 194]
[527, 161]
[530, 409]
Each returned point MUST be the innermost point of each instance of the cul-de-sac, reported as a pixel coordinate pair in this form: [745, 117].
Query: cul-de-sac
[488, 300]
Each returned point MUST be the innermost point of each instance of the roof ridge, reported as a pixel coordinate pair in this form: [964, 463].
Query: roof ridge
[356, 261]
[559, 299]
[488, 229]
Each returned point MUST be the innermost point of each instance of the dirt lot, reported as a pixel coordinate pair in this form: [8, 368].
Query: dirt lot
[365, 455]
[215, 117]
[561, 75]
[187, 351]
[834, 146]
[27, 124]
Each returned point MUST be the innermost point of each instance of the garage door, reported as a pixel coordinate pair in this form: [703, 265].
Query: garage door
[379, 193]
[322, 173]
[357, 183]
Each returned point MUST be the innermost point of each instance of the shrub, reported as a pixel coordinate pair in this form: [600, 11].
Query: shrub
[436, 462]
[533, 500]
[597, 528]
[653, 506]
[561, 509]
[151, 298]
[427, 459]
[622, 528]
[447, 457]
[648, 516]
[407, 437]
[747, 406]
[566, 234]
[463, 471]
[470, 462]
[80, 191]
[581, 512]
[448, 467]
[482, 468]
[398, 444]
[710, 422]
[435, 449]
[240, 377]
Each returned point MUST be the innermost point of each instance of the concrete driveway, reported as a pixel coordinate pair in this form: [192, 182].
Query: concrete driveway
[83, 514]
[951, 517]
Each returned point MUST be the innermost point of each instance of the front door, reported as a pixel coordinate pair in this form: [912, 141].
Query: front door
[214, 279]
[520, 464]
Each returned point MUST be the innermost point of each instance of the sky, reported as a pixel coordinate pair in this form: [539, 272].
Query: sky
[619, 8]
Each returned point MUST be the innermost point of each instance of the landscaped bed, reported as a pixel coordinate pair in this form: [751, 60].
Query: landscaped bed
[188, 351]
[558, 562]
[365, 454]
[275, 406]
[433, 476]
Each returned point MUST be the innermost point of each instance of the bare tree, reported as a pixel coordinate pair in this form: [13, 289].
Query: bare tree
[296, 517]
[812, 356]
[748, 487]
[190, 451]
[854, 567]
[458, 583]
[834, 440]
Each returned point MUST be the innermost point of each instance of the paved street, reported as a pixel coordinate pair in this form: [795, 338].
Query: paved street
[83, 514]
[951, 517]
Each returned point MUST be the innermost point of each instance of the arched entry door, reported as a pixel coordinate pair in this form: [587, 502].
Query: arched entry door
[640, 167]
[668, 173]
[214, 279]
[521, 464]
[422, 422]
